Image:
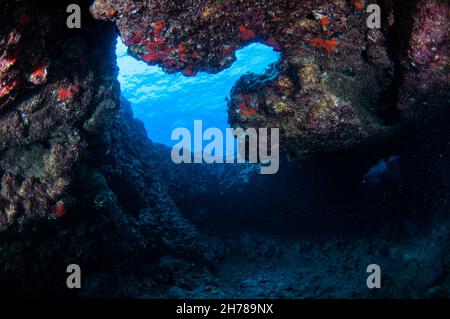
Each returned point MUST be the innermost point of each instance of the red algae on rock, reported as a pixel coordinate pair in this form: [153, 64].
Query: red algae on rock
[246, 34]
[60, 209]
[39, 74]
[327, 45]
[324, 21]
[65, 94]
[359, 4]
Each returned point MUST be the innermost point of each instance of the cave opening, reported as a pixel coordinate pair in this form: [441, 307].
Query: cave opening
[164, 101]
[305, 197]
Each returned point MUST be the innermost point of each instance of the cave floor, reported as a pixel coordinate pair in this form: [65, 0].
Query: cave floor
[268, 266]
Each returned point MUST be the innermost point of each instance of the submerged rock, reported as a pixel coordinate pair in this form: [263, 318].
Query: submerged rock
[339, 84]
[47, 90]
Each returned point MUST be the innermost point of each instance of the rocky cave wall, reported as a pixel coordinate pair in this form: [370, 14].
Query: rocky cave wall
[339, 84]
[58, 86]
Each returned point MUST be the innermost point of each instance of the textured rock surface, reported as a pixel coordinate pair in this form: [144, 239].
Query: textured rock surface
[121, 222]
[52, 81]
[339, 84]
[72, 184]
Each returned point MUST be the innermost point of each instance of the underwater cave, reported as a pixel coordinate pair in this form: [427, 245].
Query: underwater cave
[86, 159]
[167, 101]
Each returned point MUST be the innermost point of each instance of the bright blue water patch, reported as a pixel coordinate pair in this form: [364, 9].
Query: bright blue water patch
[168, 101]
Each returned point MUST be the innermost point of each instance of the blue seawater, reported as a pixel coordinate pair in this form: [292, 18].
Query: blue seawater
[168, 101]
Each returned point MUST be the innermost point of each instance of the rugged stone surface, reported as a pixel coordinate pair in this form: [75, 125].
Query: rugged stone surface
[52, 81]
[339, 83]
[424, 62]
[327, 93]
[121, 222]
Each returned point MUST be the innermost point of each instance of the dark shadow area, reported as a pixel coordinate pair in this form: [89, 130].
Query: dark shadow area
[334, 193]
